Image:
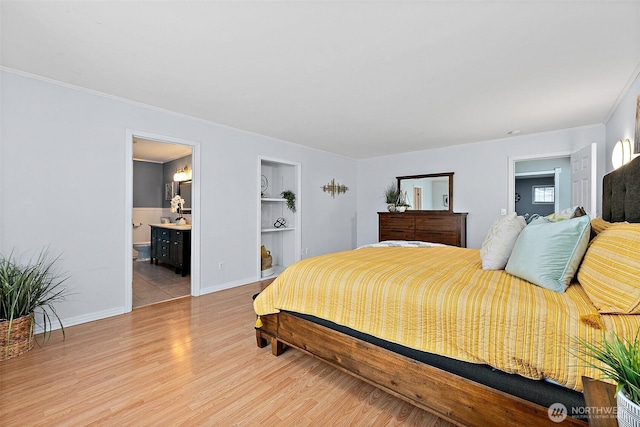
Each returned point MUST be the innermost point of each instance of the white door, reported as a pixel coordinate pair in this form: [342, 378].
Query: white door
[583, 179]
[417, 198]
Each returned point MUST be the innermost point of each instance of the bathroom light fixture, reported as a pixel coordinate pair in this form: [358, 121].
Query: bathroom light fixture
[180, 175]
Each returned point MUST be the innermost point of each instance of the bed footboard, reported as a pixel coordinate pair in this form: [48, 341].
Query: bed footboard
[449, 396]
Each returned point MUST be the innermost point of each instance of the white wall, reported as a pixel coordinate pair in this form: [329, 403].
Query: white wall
[621, 124]
[480, 181]
[67, 149]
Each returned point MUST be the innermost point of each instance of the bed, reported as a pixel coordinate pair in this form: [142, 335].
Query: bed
[428, 324]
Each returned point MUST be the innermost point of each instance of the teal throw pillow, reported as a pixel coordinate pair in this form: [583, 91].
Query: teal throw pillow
[549, 253]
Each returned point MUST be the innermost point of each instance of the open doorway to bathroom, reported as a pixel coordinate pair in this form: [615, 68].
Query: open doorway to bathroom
[162, 174]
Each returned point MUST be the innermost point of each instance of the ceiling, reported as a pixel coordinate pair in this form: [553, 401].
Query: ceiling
[158, 152]
[356, 78]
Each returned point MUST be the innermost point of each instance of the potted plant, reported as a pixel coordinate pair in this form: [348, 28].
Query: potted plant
[619, 360]
[391, 194]
[23, 290]
[177, 205]
[290, 196]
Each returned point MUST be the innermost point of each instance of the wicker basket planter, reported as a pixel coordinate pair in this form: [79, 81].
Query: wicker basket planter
[20, 337]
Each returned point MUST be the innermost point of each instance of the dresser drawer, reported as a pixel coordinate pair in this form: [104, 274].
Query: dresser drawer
[445, 237]
[430, 223]
[396, 235]
[397, 222]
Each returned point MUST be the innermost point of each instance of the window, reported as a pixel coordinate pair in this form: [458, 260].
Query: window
[544, 194]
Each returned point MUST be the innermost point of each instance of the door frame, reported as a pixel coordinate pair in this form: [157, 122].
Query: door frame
[511, 179]
[128, 211]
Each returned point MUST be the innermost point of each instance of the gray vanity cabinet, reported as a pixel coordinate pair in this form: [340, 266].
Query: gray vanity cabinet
[171, 246]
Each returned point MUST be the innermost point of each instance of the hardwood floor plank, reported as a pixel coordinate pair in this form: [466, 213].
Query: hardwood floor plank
[189, 361]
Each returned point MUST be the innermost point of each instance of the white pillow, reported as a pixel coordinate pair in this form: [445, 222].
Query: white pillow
[499, 242]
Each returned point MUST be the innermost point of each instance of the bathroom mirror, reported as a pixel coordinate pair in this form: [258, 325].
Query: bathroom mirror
[184, 190]
[429, 192]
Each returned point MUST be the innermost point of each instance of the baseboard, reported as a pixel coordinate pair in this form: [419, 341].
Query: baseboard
[228, 285]
[77, 320]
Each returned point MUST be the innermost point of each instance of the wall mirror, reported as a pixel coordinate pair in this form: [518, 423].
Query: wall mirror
[184, 190]
[429, 192]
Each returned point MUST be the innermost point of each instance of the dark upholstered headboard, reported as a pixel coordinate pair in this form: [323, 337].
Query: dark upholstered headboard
[621, 193]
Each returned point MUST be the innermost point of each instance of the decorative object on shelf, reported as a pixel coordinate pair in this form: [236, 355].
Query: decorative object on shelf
[264, 184]
[280, 223]
[266, 262]
[334, 188]
[169, 190]
[401, 204]
[290, 196]
[391, 194]
[177, 204]
[23, 290]
[620, 361]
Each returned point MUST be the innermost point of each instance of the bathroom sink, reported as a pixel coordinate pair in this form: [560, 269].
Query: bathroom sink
[173, 225]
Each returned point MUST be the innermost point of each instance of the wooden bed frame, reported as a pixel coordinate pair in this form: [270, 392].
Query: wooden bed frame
[447, 395]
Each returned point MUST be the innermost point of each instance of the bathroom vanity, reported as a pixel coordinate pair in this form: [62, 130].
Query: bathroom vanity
[171, 244]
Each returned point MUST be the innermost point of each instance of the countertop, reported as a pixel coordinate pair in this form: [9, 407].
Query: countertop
[173, 226]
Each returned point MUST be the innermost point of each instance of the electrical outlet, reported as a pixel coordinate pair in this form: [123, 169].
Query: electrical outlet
[221, 265]
[503, 211]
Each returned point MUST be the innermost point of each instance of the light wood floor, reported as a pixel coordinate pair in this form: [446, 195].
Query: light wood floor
[192, 362]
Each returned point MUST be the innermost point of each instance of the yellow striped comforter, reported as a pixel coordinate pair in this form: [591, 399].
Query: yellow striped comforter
[439, 300]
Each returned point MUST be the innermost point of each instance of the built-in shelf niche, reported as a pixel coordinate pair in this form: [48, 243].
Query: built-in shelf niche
[282, 242]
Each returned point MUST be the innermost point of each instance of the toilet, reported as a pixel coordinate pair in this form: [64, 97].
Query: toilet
[144, 250]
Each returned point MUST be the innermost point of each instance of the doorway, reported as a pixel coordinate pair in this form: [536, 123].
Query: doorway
[574, 175]
[540, 190]
[153, 160]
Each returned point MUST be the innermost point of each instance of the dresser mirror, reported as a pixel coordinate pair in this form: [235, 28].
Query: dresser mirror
[429, 192]
[184, 190]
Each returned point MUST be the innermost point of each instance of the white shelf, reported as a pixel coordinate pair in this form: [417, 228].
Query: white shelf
[283, 243]
[277, 269]
[273, 230]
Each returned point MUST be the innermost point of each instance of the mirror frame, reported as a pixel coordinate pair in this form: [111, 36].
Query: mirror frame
[185, 210]
[432, 175]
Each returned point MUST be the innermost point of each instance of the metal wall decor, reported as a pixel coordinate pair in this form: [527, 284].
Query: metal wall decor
[280, 223]
[334, 188]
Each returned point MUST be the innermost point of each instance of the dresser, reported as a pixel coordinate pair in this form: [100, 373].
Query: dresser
[429, 226]
[171, 245]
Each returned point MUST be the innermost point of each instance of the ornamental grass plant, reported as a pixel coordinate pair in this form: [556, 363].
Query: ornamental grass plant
[25, 288]
[391, 194]
[620, 361]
